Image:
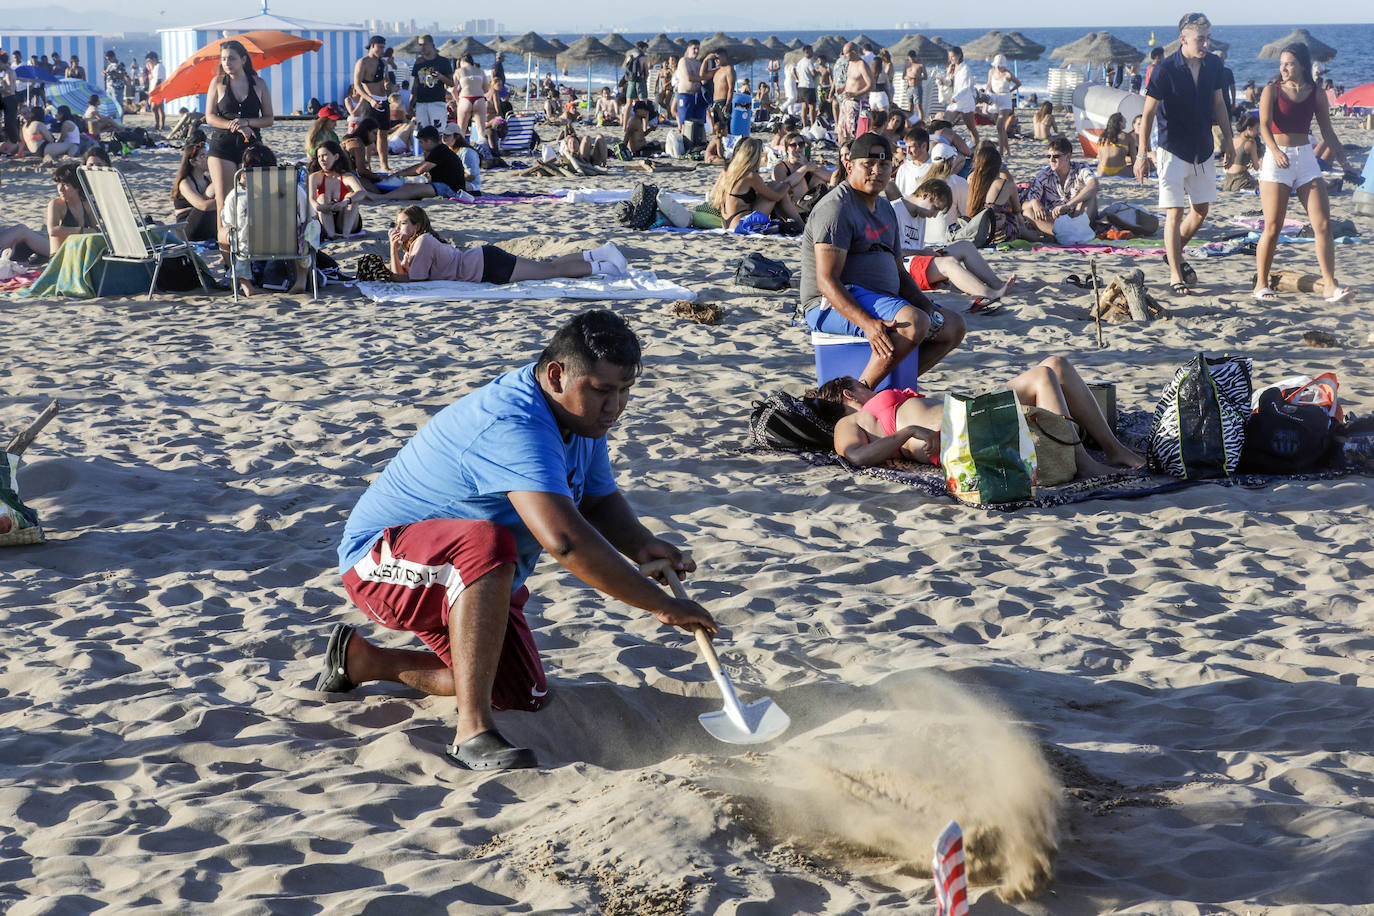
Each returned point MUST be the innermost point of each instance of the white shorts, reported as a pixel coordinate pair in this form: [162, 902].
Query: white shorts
[1181, 182]
[877, 101]
[1001, 101]
[396, 145]
[1302, 167]
[431, 114]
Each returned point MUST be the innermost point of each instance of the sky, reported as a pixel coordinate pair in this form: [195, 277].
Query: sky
[710, 15]
[558, 15]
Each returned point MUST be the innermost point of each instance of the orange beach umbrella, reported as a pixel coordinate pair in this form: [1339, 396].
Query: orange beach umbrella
[265, 48]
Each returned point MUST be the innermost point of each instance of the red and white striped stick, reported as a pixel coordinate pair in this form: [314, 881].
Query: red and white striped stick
[951, 888]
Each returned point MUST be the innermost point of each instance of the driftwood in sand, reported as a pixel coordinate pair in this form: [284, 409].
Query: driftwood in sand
[24, 439]
[1127, 299]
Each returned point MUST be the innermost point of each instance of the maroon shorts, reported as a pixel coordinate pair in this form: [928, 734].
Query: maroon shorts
[414, 574]
[920, 271]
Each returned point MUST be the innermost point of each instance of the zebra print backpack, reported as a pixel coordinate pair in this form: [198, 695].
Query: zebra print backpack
[1199, 425]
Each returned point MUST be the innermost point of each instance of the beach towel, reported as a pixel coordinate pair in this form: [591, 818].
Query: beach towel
[74, 273]
[638, 285]
[615, 195]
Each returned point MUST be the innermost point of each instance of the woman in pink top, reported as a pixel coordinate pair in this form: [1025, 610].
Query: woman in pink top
[1286, 109]
[418, 253]
[873, 428]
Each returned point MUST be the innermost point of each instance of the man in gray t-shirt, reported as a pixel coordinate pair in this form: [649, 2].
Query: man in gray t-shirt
[853, 278]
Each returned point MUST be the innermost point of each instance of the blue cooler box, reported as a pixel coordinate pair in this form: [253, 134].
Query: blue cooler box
[841, 354]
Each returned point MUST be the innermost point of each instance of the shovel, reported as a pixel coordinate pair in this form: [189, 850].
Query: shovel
[736, 722]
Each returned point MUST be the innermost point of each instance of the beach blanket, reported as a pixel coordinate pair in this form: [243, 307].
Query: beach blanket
[74, 273]
[512, 198]
[614, 195]
[1256, 223]
[638, 285]
[1132, 427]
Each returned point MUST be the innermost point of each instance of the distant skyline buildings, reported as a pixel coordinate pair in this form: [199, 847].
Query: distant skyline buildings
[410, 27]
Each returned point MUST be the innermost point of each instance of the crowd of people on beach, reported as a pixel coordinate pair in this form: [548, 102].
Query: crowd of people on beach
[441, 543]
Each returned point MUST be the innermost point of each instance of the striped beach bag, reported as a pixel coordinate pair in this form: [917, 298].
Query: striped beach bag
[1199, 423]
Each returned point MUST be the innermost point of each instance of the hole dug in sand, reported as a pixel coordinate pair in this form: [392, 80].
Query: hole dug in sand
[874, 775]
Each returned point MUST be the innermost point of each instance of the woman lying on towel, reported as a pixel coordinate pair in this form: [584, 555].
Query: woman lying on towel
[418, 253]
[873, 428]
[741, 191]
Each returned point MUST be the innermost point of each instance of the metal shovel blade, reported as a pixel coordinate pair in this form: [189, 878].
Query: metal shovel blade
[744, 723]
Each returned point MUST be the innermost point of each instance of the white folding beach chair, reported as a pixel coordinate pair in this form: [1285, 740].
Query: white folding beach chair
[274, 227]
[127, 237]
[519, 136]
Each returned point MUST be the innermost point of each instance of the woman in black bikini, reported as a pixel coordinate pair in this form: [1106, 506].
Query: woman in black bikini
[193, 200]
[794, 162]
[69, 213]
[740, 190]
[238, 105]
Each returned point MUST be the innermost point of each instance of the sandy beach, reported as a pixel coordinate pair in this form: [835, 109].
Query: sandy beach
[1169, 691]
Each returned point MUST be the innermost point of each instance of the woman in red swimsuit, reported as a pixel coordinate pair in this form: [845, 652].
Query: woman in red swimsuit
[335, 192]
[899, 424]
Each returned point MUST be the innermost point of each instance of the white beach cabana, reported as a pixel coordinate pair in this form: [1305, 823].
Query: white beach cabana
[324, 74]
[89, 46]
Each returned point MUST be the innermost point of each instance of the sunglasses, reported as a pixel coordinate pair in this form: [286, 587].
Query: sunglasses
[1055, 157]
[795, 145]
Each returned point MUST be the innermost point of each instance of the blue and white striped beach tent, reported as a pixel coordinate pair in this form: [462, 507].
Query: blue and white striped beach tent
[324, 74]
[88, 46]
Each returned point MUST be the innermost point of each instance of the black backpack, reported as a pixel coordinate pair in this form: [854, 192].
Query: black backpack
[792, 424]
[762, 273]
[1284, 438]
[640, 211]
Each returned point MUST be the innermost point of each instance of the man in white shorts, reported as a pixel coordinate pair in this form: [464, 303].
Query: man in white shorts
[1185, 92]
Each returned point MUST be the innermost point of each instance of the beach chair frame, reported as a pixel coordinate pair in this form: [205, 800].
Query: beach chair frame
[128, 236]
[274, 232]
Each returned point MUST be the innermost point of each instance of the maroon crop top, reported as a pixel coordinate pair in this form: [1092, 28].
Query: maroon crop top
[1291, 117]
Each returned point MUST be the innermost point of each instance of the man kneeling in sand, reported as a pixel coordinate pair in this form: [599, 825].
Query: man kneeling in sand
[441, 544]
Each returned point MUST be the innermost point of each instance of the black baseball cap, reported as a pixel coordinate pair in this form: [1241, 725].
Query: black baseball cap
[871, 146]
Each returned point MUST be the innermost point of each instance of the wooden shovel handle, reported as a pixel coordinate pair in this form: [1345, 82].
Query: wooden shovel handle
[23, 440]
[664, 567]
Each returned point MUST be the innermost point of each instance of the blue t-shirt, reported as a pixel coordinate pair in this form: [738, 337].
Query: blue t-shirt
[464, 462]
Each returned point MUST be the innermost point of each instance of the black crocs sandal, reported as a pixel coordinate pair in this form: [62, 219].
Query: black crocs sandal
[490, 751]
[334, 677]
[1076, 280]
[1181, 289]
[1189, 275]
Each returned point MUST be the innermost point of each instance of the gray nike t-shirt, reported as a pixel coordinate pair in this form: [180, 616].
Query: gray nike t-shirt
[843, 220]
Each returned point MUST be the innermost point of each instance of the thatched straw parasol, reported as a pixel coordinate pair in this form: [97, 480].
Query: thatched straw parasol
[456, 49]
[528, 45]
[1098, 48]
[986, 47]
[408, 48]
[1320, 50]
[737, 51]
[1032, 47]
[662, 46]
[617, 42]
[868, 44]
[927, 51]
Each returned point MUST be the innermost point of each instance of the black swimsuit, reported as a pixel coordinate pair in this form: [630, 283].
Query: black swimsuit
[226, 145]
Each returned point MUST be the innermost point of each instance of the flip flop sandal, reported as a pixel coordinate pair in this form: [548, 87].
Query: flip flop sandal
[1189, 275]
[1076, 280]
[1341, 294]
[1265, 294]
[985, 306]
[489, 750]
[334, 677]
[1181, 289]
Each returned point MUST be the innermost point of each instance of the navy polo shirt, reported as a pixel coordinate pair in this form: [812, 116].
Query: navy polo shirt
[1185, 105]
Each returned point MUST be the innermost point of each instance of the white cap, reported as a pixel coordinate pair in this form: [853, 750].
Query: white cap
[1000, 61]
[942, 150]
